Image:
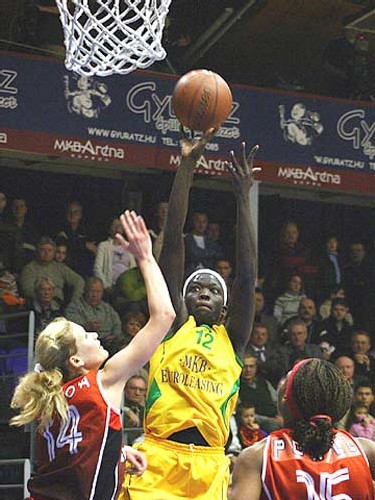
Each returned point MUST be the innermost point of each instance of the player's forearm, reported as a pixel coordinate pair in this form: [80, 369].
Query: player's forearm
[161, 316]
[243, 290]
[172, 257]
[246, 252]
[129, 359]
[178, 202]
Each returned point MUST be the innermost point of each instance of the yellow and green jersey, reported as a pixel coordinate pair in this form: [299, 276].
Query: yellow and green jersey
[193, 382]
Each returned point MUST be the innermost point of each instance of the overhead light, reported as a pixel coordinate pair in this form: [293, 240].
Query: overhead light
[364, 23]
[215, 32]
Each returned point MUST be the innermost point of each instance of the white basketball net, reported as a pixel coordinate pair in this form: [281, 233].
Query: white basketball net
[103, 37]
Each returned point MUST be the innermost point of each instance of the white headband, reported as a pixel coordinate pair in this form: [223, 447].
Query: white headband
[212, 273]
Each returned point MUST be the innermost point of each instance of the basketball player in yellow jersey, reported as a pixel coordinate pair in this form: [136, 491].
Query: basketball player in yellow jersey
[194, 374]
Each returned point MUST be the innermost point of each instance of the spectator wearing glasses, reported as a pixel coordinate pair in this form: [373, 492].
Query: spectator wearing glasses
[134, 404]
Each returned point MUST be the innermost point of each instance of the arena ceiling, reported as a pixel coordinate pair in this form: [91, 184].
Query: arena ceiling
[272, 43]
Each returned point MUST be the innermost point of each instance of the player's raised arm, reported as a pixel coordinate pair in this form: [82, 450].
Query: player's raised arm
[161, 313]
[68, 383]
[241, 311]
[172, 258]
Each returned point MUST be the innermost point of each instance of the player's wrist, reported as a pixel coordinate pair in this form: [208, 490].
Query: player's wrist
[188, 162]
[146, 261]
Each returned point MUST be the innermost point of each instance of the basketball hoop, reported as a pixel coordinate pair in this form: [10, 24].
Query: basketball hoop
[103, 37]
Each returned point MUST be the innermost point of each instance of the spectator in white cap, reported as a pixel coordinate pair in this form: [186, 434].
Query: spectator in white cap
[44, 265]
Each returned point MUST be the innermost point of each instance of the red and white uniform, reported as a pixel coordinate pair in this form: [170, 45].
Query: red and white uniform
[287, 473]
[80, 460]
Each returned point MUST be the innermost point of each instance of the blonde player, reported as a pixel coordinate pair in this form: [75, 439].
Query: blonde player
[76, 403]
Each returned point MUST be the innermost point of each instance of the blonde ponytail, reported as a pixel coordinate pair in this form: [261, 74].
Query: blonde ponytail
[39, 395]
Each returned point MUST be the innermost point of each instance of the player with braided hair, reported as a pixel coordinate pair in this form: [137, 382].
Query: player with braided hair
[314, 432]
[310, 458]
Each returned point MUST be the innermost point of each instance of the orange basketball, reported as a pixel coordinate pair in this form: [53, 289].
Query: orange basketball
[201, 100]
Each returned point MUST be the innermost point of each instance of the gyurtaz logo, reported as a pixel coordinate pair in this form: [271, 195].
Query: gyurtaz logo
[8, 91]
[352, 126]
[86, 97]
[156, 107]
[302, 126]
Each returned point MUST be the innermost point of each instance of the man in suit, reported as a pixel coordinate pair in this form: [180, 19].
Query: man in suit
[364, 363]
[272, 361]
[201, 251]
[347, 367]
[336, 328]
[258, 344]
[297, 347]
[357, 281]
[257, 390]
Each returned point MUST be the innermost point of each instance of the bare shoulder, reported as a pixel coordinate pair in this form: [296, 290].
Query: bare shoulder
[251, 454]
[247, 484]
[368, 447]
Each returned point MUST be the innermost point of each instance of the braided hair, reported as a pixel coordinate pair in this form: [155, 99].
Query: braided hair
[321, 396]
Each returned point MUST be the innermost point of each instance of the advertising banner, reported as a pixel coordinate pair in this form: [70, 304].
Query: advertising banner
[128, 120]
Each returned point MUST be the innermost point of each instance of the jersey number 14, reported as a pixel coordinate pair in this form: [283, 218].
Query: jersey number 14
[68, 435]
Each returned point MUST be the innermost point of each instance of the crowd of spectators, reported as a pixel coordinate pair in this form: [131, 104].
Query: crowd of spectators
[308, 303]
[312, 304]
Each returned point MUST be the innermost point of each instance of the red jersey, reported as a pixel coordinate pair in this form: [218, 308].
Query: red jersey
[287, 473]
[79, 460]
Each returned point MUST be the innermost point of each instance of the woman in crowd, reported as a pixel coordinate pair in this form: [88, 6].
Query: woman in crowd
[45, 307]
[132, 323]
[287, 304]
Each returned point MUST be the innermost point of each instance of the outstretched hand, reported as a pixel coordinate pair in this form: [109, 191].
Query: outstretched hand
[242, 170]
[138, 240]
[192, 148]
